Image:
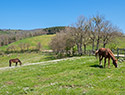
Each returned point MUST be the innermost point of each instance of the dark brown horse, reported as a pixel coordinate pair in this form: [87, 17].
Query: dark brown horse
[106, 53]
[16, 60]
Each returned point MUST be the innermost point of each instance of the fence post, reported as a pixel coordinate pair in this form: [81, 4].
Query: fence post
[117, 53]
[113, 50]
[124, 52]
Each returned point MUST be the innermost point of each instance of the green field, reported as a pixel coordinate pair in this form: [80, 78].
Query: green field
[76, 76]
[33, 41]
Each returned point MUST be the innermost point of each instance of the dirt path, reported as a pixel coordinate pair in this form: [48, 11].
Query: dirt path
[43, 63]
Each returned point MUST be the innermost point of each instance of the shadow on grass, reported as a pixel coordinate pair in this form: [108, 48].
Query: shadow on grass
[96, 66]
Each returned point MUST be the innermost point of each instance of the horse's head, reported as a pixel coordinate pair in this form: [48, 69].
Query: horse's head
[115, 63]
[20, 62]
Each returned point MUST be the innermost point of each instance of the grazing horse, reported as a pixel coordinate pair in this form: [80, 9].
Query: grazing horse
[106, 53]
[14, 61]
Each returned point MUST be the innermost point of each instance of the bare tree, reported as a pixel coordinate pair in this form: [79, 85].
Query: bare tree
[107, 33]
[91, 33]
[98, 27]
[69, 41]
[79, 33]
[11, 48]
[39, 46]
[58, 43]
[22, 46]
[63, 42]
[86, 38]
[27, 45]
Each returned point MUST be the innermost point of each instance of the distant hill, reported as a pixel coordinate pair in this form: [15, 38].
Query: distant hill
[49, 30]
[7, 31]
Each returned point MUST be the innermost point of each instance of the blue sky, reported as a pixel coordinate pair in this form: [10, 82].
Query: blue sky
[31, 14]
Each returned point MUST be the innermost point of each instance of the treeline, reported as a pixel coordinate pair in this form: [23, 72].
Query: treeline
[94, 31]
[22, 47]
[54, 30]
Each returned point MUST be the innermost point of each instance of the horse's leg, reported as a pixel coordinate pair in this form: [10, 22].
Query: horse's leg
[105, 62]
[16, 64]
[10, 64]
[100, 59]
[108, 62]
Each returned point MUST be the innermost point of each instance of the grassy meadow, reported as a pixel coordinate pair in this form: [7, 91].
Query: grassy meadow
[33, 41]
[75, 76]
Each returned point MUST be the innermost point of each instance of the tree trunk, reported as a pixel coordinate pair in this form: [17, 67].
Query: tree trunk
[104, 44]
[97, 46]
[0, 44]
[79, 47]
[84, 48]
[93, 45]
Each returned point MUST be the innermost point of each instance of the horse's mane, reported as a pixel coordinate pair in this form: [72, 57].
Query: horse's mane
[111, 54]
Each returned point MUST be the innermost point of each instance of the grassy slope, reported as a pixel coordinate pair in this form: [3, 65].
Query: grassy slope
[121, 42]
[71, 77]
[118, 43]
[33, 41]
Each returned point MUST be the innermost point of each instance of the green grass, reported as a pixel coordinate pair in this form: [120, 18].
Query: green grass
[25, 58]
[33, 41]
[71, 77]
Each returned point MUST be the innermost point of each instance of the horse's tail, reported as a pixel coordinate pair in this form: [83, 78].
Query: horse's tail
[96, 53]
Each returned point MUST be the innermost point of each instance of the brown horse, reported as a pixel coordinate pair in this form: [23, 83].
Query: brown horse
[106, 53]
[14, 61]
